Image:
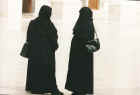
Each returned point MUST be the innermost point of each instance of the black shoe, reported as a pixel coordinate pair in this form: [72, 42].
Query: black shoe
[57, 93]
[76, 93]
[35, 92]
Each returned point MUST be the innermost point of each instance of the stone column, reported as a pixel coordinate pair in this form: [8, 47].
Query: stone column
[3, 7]
[84, 3]
[14, 12]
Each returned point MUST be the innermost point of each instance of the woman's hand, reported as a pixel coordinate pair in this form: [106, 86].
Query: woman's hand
[90, 48]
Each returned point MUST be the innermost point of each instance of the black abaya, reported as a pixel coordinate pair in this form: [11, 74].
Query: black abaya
[42, 36]
[80, 70]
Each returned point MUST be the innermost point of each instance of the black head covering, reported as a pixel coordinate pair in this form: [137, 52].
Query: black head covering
[84, 23]
[46, 28]
[45, 11]
[86, 13]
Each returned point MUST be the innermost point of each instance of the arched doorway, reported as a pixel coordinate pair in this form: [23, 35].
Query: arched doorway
[28, 6]
[93, 4]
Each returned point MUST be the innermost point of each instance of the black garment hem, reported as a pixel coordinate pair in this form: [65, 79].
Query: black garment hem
[80, 91]
[41, 91]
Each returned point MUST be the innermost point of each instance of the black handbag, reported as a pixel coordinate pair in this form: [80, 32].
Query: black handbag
[93, 45]
[25, 50]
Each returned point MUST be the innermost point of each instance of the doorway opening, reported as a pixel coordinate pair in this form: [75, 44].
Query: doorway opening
[28, 6]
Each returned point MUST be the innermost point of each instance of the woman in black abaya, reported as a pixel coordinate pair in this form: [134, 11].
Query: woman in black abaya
[80, 71]
[42, 37]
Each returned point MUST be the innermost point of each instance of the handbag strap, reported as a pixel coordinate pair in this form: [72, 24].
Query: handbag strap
[96, 35]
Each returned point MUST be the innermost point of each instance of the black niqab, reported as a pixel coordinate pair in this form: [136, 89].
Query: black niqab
[49, 30]
[84, 25]
[45, 12]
